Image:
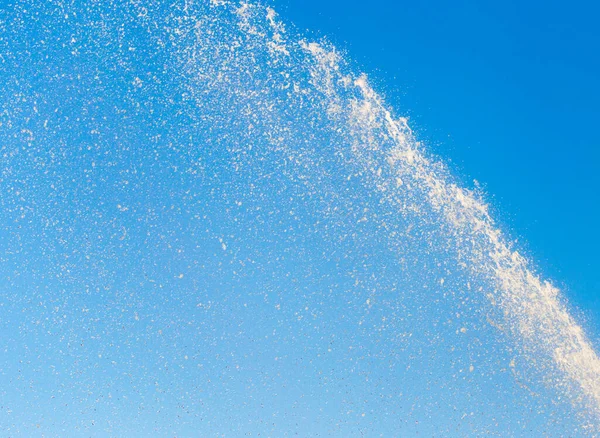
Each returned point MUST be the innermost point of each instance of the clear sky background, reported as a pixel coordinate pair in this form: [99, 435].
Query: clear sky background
[190, 246]
[506, 91]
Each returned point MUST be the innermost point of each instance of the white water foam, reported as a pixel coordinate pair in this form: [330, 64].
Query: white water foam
[534, 315]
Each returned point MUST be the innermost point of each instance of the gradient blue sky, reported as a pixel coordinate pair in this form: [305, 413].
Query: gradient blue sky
[163, 272]
[508, 92]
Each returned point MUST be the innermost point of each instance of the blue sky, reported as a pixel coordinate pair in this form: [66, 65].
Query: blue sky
[190, 245]
[508, 92]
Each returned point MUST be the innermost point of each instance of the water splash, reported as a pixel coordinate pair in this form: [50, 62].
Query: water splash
[231, 227]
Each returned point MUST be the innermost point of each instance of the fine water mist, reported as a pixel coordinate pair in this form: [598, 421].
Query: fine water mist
[212, 226]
